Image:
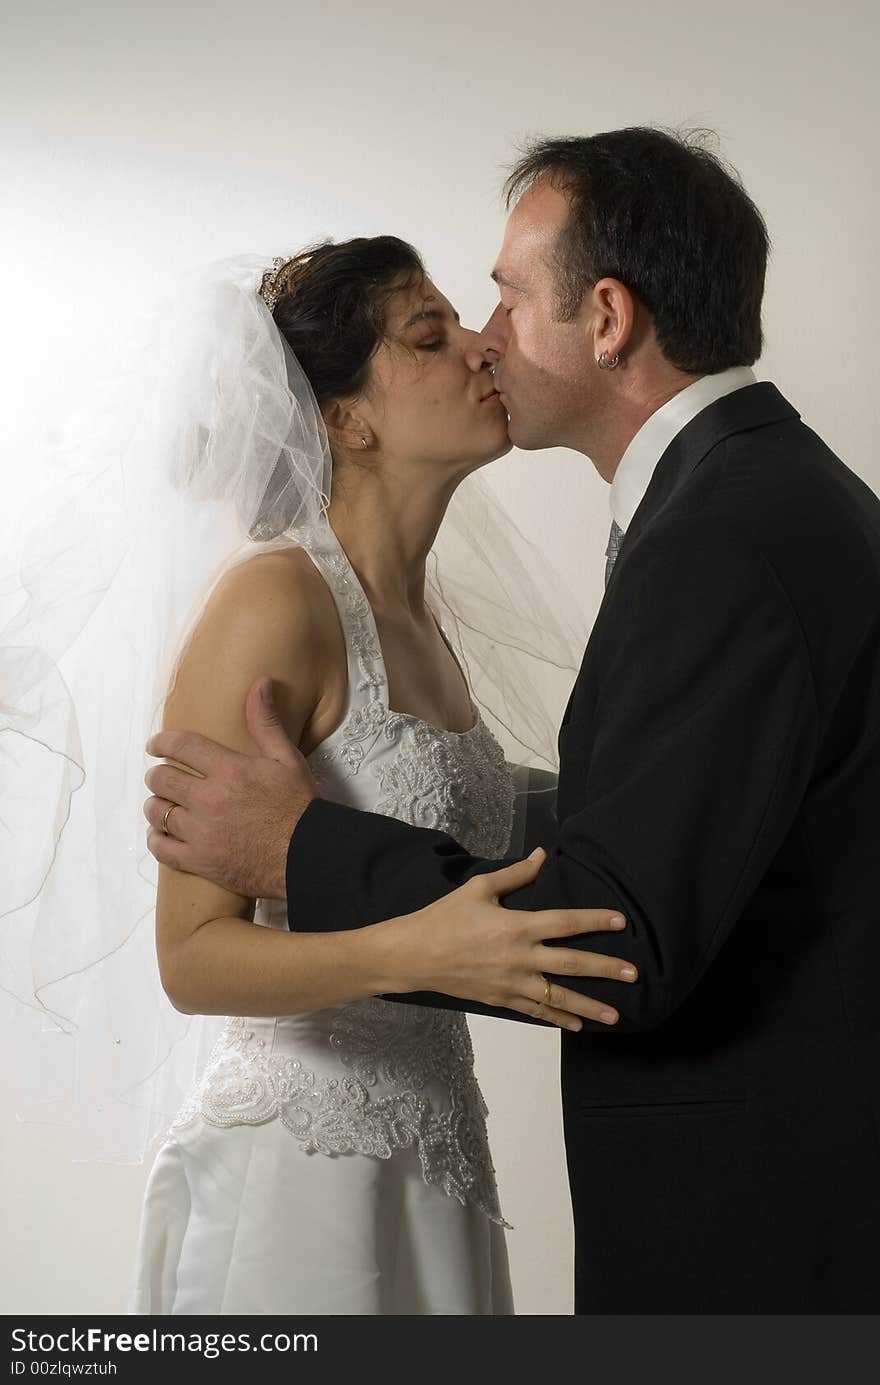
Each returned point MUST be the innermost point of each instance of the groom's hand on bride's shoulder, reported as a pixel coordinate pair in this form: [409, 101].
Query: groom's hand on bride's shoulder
[225, 816]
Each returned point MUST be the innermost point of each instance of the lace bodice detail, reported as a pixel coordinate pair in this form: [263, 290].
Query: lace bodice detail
[374, 1076]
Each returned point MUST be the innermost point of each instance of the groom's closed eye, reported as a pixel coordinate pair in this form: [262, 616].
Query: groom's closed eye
[504, 283]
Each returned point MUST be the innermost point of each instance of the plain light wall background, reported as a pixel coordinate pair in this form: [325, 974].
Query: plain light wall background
[138, 139]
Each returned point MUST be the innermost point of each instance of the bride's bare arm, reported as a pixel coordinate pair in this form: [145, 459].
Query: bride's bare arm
[267, 617]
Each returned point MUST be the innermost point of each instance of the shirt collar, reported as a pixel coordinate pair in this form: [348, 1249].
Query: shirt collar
[636, 466]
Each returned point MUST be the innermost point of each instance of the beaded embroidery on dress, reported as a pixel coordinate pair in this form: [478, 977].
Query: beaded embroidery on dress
[373, 1077]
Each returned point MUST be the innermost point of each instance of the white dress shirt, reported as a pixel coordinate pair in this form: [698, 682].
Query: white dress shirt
[636, 466]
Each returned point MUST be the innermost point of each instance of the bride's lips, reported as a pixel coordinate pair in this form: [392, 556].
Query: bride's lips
[493, 394]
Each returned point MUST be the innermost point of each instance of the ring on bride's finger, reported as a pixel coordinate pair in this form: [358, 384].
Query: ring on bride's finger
[168, 811]
[546, 999]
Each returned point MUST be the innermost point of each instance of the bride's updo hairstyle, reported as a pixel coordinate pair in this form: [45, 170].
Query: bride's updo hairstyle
[330, 304]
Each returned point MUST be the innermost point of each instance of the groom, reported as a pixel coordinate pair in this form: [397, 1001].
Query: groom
[719, 757]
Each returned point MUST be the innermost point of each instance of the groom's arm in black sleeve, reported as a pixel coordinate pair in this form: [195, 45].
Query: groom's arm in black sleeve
[702, 736]
[534, 825]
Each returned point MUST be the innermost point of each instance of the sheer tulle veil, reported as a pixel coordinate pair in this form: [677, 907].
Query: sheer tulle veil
[207, 447]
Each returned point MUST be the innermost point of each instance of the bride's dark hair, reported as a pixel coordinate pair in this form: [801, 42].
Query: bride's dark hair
[331, 304]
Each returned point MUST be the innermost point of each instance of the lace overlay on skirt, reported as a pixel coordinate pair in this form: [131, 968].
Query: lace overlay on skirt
[382, 1100]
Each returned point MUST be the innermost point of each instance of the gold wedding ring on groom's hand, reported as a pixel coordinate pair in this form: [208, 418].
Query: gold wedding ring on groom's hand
[168, 811]
[546, 1000]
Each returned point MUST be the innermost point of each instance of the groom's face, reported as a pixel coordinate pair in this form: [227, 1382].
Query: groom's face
[543, 369]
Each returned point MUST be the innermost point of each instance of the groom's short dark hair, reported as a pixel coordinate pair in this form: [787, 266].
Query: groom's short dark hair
[664, 215]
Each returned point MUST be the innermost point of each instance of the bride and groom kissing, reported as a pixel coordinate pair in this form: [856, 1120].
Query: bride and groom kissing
[718, 793]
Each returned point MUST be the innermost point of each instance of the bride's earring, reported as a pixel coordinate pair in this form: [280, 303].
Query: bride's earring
[604, 363]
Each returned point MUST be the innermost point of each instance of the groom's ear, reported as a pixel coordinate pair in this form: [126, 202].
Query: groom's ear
[613, 311]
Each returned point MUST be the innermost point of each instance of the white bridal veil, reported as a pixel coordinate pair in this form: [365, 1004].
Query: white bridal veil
[207, 447]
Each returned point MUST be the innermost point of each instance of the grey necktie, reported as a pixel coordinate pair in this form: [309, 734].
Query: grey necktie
[611, 552]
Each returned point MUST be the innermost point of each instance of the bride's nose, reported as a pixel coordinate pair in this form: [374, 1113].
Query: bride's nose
[475, 353]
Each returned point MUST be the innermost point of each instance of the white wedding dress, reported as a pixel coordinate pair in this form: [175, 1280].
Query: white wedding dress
[337, 1162]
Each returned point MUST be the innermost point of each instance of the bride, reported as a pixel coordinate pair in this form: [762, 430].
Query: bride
[332, 1155]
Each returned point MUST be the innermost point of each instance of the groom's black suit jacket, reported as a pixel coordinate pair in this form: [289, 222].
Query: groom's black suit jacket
[720, 784]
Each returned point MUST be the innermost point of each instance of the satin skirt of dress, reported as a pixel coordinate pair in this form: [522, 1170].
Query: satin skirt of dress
[241, 1220]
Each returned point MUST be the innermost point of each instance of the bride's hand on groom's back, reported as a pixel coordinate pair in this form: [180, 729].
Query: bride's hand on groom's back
[468, 945]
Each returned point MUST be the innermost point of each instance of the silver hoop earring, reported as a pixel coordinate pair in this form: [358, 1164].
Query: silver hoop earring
[605, 364]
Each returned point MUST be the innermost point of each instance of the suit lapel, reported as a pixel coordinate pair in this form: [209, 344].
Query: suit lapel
[754, 406]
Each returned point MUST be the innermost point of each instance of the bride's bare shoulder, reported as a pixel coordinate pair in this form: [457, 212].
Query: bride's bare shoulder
[272, 614]
[283, 595]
